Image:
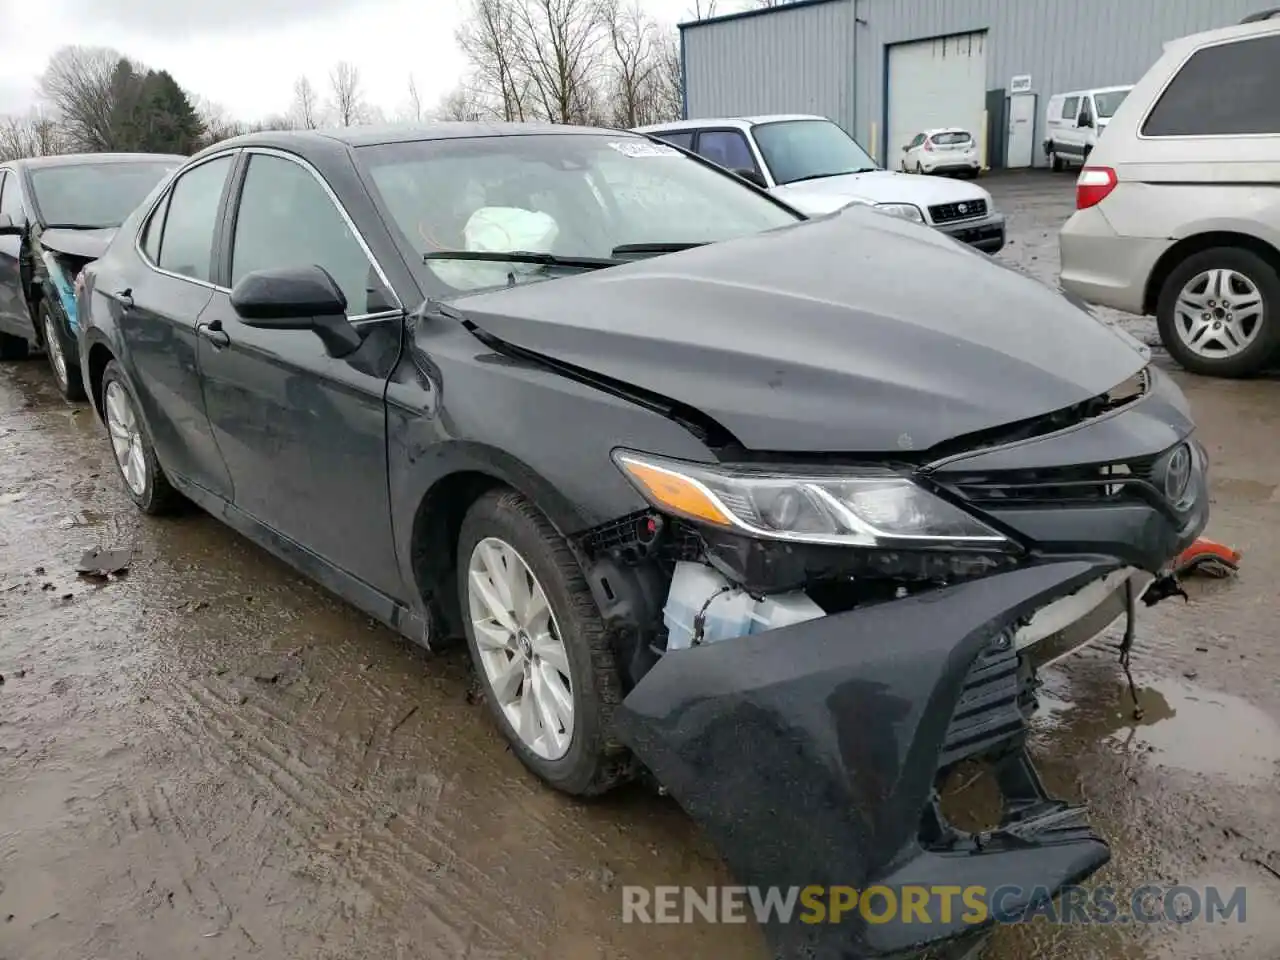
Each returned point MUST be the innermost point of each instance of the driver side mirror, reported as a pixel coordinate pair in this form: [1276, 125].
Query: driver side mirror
[297, 298]
[8, 228]
[751, 176]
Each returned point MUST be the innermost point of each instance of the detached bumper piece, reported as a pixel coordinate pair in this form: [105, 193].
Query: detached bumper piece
[813, 755]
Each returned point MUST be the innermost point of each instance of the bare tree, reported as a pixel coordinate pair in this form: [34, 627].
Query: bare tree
[460, 104]
[348, 102]
[560, 50]
[218, 126]
[702, 9]
[636, 66]
[412, 112]
[769, 4]
[488, 38]
[83, 86]
[35, 135]
[306, 105]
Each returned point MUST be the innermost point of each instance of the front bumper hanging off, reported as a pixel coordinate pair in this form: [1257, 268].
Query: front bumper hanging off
[812, 755]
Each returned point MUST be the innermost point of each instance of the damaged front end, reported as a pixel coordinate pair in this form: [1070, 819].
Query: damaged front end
[811, 655]
[64, 253]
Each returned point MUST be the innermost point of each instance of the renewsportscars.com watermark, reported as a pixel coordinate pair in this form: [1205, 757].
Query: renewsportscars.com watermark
[1149, 903]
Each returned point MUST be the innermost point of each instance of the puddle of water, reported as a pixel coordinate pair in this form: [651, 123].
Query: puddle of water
[1183, 725]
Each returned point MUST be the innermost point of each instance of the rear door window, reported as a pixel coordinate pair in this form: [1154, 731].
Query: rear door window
[726, 148]
[951, 138]
[186, 248]
[680, 138]
[1225, 90]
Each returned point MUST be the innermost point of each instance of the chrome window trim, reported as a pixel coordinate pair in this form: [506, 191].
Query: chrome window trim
[333, 198]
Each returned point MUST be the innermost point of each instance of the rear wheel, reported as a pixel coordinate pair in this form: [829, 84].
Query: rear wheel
[919, 168]
[61, 350]
[539, 646]
[1217, 312]
[135, 456]
[13, 348]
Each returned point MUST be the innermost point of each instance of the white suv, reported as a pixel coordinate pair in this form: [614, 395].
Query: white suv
[1178, 210]
[812, 164]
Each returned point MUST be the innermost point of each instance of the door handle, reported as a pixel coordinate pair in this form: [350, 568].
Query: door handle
[124, 297]
[214, 333]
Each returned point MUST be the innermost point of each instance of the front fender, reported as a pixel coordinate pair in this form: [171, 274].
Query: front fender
[811, 755]
[63, 288]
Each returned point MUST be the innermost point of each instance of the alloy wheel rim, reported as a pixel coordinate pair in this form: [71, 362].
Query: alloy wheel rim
[126, 437]
[1218, 313]
[53, 347]
[521, 653]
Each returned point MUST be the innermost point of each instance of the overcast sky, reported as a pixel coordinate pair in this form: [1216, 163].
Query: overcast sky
[245, 54]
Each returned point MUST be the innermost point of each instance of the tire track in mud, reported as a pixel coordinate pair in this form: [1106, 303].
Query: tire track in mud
[377, 857]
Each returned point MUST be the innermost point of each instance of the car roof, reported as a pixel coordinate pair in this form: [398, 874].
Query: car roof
[80, 159]
[741, 123]
[367, 136]
[1117, 88]
[1239, 31]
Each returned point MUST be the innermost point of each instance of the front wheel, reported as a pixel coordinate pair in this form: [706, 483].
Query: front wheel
[135, 456]
[919, 168]
[1217, 312]
[61, 350]
[1055, 161]
[539, 645]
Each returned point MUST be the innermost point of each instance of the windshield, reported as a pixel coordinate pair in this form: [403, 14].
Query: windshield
[95, 194]
[809, 149]
[1108, 103]
[572, 195]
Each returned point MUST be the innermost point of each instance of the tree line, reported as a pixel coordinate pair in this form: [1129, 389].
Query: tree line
[595, 62]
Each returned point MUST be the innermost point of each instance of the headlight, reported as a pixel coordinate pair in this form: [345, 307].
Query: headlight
[855, 508]
[906, 211]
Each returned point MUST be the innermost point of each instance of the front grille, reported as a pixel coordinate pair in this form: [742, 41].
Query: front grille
[964, 210]
[989, 712]
[1110, 483]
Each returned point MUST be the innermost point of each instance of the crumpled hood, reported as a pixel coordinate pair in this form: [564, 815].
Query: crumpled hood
[90, 244]
[878, 186]
[853, 333]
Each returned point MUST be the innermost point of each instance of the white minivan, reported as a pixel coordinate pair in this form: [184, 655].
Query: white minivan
[1074, 121]
[1178, 210]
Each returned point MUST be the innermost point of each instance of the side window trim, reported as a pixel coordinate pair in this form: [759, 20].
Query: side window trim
[1168, 82]
[163, 199]
[234, 212]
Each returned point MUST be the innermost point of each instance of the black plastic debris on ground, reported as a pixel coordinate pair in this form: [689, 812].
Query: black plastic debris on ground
[101, 564]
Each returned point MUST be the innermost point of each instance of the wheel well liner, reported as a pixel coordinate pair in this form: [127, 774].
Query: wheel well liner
[99, 356]
[438, 521]
[1188, 246]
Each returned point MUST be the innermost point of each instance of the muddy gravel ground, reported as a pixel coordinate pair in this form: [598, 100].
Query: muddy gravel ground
[210, 758]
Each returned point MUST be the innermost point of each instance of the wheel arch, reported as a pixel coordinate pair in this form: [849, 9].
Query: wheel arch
[1197, 243]
[98, 354]
[472, 471]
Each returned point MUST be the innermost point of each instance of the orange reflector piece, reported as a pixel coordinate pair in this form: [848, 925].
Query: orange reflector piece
[677, 493]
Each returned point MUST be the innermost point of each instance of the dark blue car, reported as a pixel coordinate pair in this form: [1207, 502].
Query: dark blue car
[58, 214]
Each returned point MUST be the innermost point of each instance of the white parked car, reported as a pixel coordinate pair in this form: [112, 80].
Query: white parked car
[813, 165]
[946, 150]
[1074, 121]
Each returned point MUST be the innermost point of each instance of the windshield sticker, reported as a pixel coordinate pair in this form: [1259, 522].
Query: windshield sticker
[643, 148]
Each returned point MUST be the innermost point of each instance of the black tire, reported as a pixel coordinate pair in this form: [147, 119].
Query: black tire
[919, 169]
[52, 322]
[157, 496]
[1055, 161]
[13, 348]
[1264, 346]
[594, 763]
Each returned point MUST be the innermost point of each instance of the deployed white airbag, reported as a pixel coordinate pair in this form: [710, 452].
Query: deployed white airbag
[499, 230]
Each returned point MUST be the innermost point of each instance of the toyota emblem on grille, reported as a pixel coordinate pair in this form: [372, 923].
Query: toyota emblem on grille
[1177, 475]
[963, 208]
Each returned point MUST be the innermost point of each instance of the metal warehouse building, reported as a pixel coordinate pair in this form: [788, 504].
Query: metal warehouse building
[887, 69]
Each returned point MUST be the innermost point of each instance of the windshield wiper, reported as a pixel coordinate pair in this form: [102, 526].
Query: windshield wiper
[523, 256]
[82, 226]
[656, 249]
[823, 176]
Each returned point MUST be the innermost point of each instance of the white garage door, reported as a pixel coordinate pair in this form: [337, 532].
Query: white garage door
[936, 83]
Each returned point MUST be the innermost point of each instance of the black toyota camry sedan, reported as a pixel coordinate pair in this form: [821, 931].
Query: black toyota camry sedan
[56, 215]
[781, 514]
